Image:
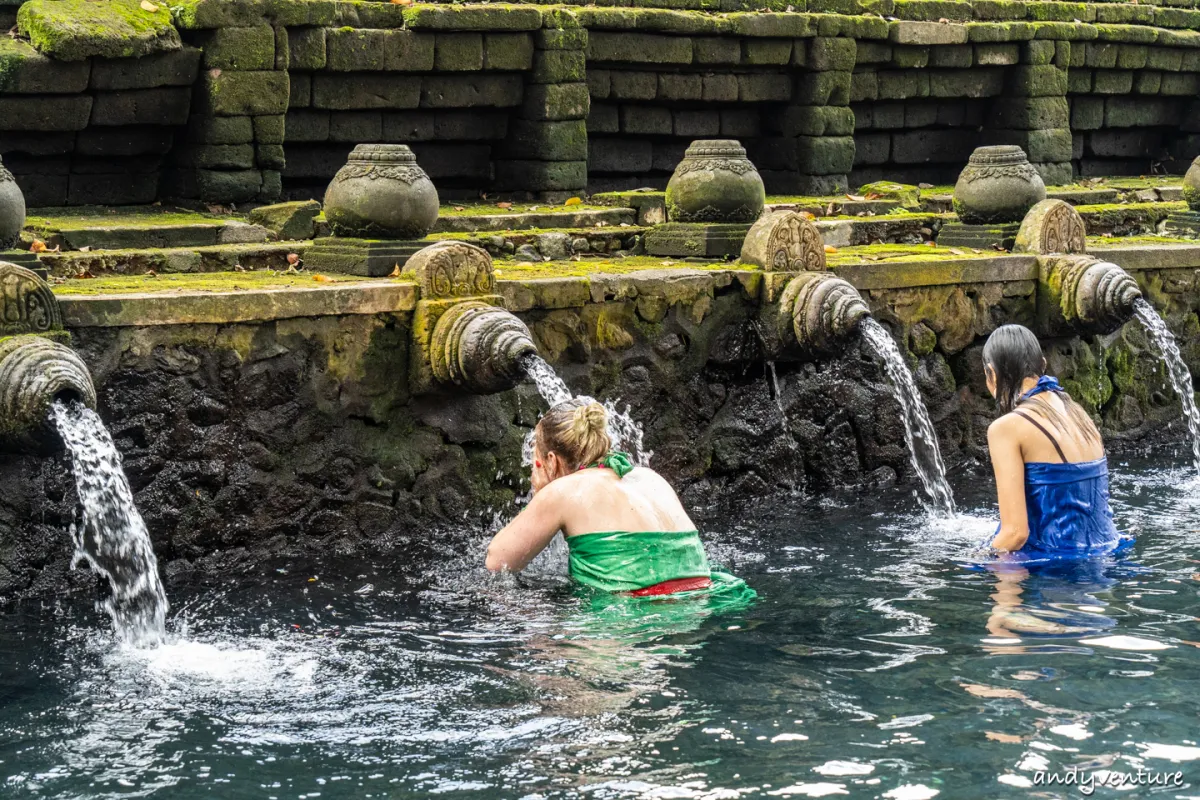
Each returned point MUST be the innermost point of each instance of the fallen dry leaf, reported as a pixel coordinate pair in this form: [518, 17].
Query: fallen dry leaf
[395, 273]
[573, 201]
[943, 20]
[830, 248]
[322, 279]
[38, 246]
[957, 252]
[402, 2]
[148, 6]
[503, 205]
[86, 274]
[459, 208]
[931, 243]
[85, 249]
[856, 197]
[873, 195]
[808, 215]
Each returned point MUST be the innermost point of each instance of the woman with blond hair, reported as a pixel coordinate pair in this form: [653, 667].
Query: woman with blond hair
[625, 528]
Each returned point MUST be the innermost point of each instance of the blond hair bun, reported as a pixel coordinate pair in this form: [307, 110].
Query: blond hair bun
[577, 430]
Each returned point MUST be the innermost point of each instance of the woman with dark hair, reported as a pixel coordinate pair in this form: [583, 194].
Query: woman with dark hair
[1049, 460]
[625, 528]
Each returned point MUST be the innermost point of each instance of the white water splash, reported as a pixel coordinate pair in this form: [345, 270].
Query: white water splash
[1181, 377]
[918, 429]
[110, 535]
[626, 434]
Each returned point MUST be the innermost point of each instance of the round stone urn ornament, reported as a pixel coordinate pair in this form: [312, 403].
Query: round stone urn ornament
[381, 193]
[715, 182]
[12, 209]
[1191, 185]
[998, 186]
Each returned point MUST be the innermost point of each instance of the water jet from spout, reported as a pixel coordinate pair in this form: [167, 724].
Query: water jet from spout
[1181, 377]
[919, 434]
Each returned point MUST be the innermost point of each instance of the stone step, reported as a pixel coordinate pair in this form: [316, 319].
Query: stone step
[527, 220]
[137, 227]
[141, 261]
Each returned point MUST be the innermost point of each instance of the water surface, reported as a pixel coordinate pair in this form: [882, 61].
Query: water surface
[875, 664]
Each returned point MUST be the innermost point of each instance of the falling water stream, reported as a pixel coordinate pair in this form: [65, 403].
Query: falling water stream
[626, 434]
[918, 429]
[110, 535]
[1181, 378]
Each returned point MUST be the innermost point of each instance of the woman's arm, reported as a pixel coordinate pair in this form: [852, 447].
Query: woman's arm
[1009, 465]
[522, 539]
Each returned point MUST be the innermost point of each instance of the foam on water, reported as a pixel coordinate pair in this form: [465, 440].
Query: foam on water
[919, 434]
[110, 535]
[1181, 378]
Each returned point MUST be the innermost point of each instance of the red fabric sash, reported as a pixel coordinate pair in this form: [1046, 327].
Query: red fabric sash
[673, 586]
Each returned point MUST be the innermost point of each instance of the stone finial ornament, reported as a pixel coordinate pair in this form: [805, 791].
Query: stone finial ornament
[784, 241]
[1085, 294]
[715, 182]
[998, 185]
[1052, 226]
[452, 269]
[12, 209]
[1191, 185]
[818, 311]
[381, 193]
[27, 305]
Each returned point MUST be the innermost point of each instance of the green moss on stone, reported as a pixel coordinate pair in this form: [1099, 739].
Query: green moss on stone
[216, 282]
[72, 30]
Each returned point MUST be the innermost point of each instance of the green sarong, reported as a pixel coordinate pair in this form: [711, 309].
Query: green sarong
[624, 561]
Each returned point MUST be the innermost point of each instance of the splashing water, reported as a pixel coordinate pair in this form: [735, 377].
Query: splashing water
[624, 432]
[919, 434]
[1181, 378]
[110, 535]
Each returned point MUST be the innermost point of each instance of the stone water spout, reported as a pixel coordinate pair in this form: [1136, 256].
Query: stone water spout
[36, 366]
[464, 336]
[822, 311]
[1076, 292]
[817, 311]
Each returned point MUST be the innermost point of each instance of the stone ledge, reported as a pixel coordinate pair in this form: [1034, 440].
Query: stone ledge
[1149, 257]
[997, 269]
[205, 308]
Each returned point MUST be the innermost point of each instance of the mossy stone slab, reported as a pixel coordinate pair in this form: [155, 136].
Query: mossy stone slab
[73, 30]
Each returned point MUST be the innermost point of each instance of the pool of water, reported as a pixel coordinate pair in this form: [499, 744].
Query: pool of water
[875, 664]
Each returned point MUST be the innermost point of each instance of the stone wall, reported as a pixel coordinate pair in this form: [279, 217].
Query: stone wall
[254, 424]
[248, 100]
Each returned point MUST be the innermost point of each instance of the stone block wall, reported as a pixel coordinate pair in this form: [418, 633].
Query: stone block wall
[236, 101]
[97, 130]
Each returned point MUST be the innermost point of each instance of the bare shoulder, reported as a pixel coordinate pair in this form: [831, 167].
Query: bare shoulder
[1005, 428]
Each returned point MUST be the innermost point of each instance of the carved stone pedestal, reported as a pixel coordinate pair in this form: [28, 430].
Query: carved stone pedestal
[696, 239]
[979, 237]
[370, 258]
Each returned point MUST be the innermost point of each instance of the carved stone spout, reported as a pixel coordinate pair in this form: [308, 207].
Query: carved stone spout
[1083, 294]
[36, 368]
[818, 312]
[34, 372]
[463, 335]
[480, 347]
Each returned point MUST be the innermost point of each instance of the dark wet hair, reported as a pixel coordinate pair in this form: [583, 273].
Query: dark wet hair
[1014, 354]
